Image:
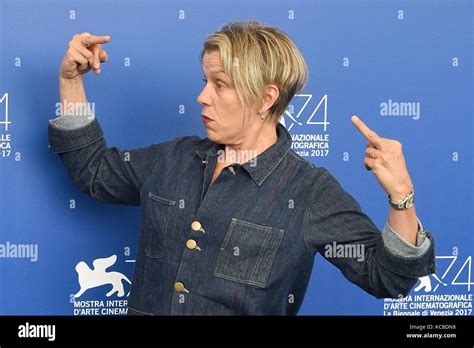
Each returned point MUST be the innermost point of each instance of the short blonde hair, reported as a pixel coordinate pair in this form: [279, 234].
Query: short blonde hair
[254, 55]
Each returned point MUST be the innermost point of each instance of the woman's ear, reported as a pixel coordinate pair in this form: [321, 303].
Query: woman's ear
[270, 95]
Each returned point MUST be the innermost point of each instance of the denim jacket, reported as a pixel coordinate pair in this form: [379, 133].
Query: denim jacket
[244, 245]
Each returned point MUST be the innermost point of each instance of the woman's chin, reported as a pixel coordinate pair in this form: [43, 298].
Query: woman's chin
[211, 135]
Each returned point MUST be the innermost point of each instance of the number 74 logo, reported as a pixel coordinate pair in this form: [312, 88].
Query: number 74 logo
[296, 120]
[4, 100]
[425, 282]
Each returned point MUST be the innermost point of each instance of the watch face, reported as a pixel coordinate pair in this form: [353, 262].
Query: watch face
[409, 203]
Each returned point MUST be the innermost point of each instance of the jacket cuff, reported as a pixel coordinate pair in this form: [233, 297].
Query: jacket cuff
[400, 247]
[404, 259]
[74, 116]
[71, 121]
[64, 140]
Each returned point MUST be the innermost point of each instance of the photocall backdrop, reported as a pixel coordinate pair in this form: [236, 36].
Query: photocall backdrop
[404, 67]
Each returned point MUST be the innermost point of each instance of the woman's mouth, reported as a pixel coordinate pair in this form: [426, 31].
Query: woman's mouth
[206, 119]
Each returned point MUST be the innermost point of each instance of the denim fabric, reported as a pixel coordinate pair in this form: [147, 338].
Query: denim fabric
[261, 225]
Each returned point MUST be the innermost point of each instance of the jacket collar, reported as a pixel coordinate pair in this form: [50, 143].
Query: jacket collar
[265, 163]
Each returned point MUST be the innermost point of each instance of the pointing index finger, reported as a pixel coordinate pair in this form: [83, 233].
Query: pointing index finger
[94, 39]
[369, 134]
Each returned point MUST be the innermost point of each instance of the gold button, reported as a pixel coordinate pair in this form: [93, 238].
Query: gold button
[179, 287]
[191, 244]
[196, 225]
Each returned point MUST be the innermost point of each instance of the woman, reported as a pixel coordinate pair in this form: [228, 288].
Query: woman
[231, 223]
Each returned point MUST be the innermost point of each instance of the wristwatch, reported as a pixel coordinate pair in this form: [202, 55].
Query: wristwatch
[405, 203]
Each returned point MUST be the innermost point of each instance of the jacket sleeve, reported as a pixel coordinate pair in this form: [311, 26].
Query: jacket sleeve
[107, 174]
[382, 264]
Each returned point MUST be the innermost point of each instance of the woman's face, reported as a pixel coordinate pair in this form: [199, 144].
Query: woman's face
[220, 103]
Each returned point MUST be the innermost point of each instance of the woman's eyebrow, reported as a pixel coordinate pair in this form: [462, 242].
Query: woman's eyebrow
[220, 74]
[217, 72]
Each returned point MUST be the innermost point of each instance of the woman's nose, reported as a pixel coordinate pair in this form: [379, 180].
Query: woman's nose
[203, 98]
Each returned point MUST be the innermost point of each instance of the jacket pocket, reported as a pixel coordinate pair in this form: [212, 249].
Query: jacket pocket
[157, 214]
[247, 252]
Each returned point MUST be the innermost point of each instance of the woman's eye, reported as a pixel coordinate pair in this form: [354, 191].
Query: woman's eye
[219, 86]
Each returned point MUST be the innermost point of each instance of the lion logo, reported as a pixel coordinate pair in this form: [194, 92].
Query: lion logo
[425, 283]
[93, 278]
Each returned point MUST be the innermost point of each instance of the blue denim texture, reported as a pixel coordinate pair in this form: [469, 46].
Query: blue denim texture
[262, 225]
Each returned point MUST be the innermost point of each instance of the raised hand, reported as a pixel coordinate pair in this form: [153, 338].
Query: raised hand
[84, 53]
[384, 157]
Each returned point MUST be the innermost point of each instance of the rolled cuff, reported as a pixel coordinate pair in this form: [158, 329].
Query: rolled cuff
[401, 258]
[71, 121]
[400, 247]
[64, 140]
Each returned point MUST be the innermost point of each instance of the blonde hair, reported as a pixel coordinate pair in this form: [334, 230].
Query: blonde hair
[254, 55]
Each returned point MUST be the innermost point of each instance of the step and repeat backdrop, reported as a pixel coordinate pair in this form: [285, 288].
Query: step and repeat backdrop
[404, 67]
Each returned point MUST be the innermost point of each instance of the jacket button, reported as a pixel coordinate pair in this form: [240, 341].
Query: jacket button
[179, 287]
[196, 226]
[191, 244]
